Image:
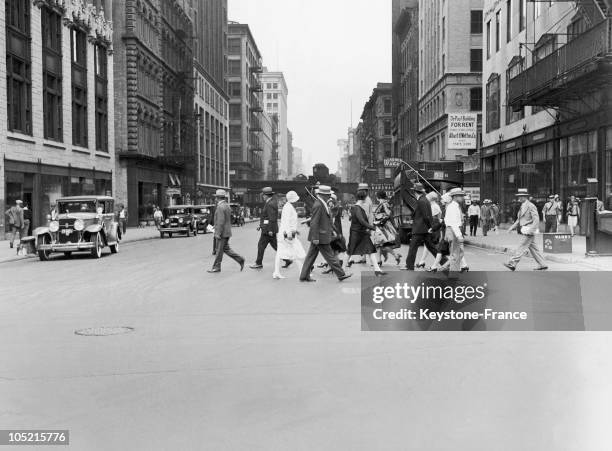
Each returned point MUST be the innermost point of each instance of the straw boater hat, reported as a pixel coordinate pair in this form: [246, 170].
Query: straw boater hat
[326, 190]
[221, 193]
[268, 191]
[522, 192]
[419, 188]
[363, 187]
[456, 192]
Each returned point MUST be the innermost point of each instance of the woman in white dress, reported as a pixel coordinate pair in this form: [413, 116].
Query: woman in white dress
[289, 246]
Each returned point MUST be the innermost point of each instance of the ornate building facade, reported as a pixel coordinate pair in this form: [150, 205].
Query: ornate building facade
[56, 79]
[154, 105]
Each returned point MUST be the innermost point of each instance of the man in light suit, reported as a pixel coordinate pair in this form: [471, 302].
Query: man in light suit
[223, 232]
[528, 221]
[320, 236]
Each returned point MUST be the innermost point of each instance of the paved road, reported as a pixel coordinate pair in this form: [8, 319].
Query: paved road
[240, 361]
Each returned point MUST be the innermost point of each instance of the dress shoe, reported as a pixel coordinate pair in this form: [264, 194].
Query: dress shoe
[465, 269]
[432, 269]
[420, 265]
[541, 268]
[242, 265]
[213, 271]
[256, 266]
[307, 280]
[350, 263]
[380, 273]
[287, 264]
[398, 259]
[509, 266]
[327, 271]
[344, 277]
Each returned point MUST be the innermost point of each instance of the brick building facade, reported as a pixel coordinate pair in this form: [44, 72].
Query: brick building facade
[55, 82]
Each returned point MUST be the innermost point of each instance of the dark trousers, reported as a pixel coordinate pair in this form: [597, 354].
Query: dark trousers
[473, 225]
[551, 224]
[223, 247]
[123, 225]
[329, 256]
[264, 240]
[417, 241]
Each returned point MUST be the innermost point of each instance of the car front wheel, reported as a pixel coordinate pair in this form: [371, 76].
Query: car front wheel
[96, 239]
[44, 255]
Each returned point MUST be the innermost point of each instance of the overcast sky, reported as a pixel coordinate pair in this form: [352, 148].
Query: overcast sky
[331, 52]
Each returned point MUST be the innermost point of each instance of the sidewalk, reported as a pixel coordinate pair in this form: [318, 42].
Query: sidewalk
[505, 242]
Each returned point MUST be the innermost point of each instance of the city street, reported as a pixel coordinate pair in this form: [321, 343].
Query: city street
[242, 361]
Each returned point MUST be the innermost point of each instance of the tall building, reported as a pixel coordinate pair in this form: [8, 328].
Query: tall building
[298, 161]
[354, 158]
[56, 79]
[246, 104]
[267, 141]
[375, 136]
[211, 99]
[450, 76]
[343, 155]
[406, 79]
[290, 173]
[154, 105]
[275, 94]
[548, 116]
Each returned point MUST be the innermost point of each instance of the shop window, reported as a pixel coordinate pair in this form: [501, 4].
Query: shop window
[578, 162]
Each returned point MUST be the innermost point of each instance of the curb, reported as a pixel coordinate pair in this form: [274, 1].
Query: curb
[136, 240]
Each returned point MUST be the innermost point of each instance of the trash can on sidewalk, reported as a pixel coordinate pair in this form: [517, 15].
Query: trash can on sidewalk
[557, 243]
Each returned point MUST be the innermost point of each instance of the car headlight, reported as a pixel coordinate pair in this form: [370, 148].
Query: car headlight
[180, 220]
[79, 225]
[54, 226]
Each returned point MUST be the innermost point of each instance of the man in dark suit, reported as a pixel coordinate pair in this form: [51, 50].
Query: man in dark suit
[268, 224]
[320, 236]
[421, 228]
[223, 232]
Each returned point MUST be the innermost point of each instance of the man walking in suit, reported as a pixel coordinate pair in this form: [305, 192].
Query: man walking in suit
[16, 221]
[529, 222]
[268, 224]
[223, 232]
[421, 228]
[320, 236]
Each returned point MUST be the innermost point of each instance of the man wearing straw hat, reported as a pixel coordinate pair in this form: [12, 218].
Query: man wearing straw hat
[454, 221]
[223, 232]
[528, 220]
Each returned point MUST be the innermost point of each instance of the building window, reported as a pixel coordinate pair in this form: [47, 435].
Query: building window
[78, 48]
[234, 89]
[493, 104]
[514, 69]
[101, 69]
[387, 149]
[275, 86]
[235, 112]
[488, 39]
[234, 46]
[476, 99]
[275, 96]
[18, 66]
[475, 60]
[51, 23]
[387, 106]
[508, 20]
[522, 14]
[234, 67]
[235, 132]
[387, 127]
[476, 21]
[497, 31]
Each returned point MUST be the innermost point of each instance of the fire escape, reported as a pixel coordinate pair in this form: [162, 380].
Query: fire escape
[275, 160]
[574, 70]
[255, 146]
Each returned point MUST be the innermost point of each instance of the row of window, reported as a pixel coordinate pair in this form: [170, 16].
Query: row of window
[493, 38]
[19, 77]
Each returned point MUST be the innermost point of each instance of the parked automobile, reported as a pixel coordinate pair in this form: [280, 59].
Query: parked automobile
[204, 215]
[237, 215]
[82, 224]
[178, 219]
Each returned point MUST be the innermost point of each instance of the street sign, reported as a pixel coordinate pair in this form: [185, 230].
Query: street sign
[392, 162]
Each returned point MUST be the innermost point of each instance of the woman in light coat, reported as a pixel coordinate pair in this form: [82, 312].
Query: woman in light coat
[289, 246]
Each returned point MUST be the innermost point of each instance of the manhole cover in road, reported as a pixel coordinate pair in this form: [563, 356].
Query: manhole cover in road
[104, 331]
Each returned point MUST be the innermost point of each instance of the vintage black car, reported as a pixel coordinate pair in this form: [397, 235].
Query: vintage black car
[204, 215]
[84, 223]
[178, 219]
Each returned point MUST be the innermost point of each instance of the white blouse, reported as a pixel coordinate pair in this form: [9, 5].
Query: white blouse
[289, 219]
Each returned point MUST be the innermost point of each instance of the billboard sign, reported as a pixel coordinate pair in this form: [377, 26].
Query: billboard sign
[462, 131]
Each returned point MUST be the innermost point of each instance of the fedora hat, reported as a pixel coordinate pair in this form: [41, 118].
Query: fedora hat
[363, 187]
[267, 191]
[456, 192]
[292, 196]
[419, 188]
[323, 189]
[221, 193]
[522, 192]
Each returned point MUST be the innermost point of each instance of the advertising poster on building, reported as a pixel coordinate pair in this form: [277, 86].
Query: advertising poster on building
[462, 131]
